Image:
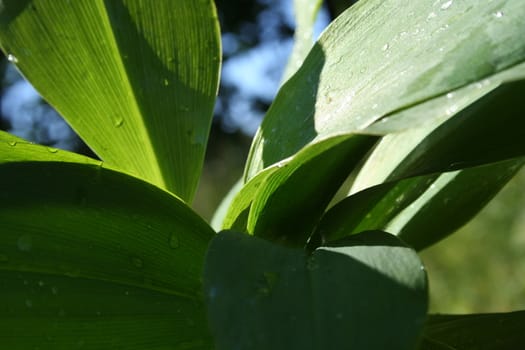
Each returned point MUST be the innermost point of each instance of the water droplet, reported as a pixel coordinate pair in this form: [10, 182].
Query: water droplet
[446, 5]
[25, 243]
[339, 315]
[451, 110]
[12, 58]
[174, 241]
[166, 82]
[11, 143]
[385, 47]
[431, 15]
[40, 283]
[498, 14]
[281, 164]
[450, 95]
[29, 303]
[137, 262]
[54, 290]
[4, 258]
[52, 150]
[126, 292]
[117, 123]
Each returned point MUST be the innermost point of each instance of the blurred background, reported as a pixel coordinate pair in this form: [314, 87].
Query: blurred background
[481, 268]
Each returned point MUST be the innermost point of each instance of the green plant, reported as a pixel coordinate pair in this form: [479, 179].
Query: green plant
[405, 117]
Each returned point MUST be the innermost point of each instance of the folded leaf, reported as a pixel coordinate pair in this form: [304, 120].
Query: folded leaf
[135, 79]
[291, 201]
[265, 296]
[380, 57]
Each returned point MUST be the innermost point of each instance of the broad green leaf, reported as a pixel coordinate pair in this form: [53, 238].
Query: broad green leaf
[136, 79]
[488, 130]
[292, 199]
[305, 16]
[91, 257]
[380, 57]
[496, 331]
[368, 292]
[436, 205]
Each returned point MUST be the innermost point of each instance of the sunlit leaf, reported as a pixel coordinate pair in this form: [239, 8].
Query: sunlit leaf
[135, 79]
[380, 57]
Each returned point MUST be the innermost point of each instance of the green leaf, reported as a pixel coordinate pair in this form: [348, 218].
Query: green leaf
[485, 132]
[294, 197]
[378, 58]
[494, 331]
[16, 149]
[305, 16]
[421, 210]
[96, 258]
[236, 215]
[135, 79]
[265, 296]
[484, 125]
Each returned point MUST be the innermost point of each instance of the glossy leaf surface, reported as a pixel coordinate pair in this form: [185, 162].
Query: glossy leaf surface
[368, 292]
[380, 57]
[96, 258]
[136, 79]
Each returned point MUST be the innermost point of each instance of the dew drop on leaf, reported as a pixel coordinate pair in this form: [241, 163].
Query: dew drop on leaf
[446, 5]
[12, 58]
[52, 150]
[498, 14]
[29, 303]
[11, 143]
[118, 122]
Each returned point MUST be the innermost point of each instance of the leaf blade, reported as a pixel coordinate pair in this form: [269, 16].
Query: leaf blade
[88, 58]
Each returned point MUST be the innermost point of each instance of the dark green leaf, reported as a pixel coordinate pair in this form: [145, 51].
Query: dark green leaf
[96, 258]
[497, 331]
[367, 292]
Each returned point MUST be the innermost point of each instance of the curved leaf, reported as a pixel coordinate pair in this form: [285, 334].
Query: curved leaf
[420, 210]
[292, 199]
[94, 257]
[488, 130]
[383, 56]
[477, 331]
[305, 16]
[135, 79]
[265, 296]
